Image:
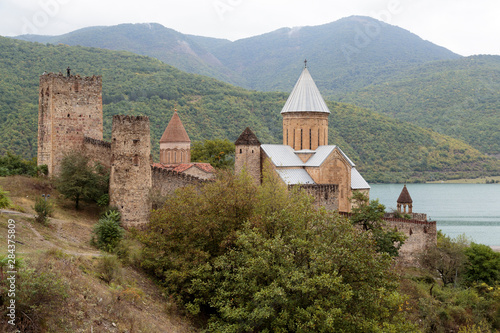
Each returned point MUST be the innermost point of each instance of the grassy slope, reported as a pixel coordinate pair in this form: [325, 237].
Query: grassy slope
[130, 302]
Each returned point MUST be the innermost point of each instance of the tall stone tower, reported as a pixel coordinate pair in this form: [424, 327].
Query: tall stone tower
[305, 116]
[69, 109]
[130, 179]
[247, 155]
[175, 145]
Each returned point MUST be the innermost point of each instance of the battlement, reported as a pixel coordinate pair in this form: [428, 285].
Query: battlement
[96, 142]
[60, 76]
[326, 195]
[118, 118]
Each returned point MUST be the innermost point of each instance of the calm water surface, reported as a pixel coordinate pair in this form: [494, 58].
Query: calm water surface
[470, 209]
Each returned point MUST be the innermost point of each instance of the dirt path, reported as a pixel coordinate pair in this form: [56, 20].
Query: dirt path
[58, 224]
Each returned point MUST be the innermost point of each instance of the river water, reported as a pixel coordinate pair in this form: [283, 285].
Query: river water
[470, 209]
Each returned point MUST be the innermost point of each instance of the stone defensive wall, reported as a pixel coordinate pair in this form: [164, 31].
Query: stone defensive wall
[165, 181]
[326, 195]
[98, 151]
[420, 236]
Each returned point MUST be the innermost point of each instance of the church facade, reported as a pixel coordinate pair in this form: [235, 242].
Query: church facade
[305, 158]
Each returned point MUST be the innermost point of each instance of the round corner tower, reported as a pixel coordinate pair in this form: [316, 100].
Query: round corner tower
[130, 179]
[69, 109]
[305, 116]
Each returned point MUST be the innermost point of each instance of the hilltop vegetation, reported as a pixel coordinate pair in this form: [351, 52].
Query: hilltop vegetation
[384, 149]
[356, 60]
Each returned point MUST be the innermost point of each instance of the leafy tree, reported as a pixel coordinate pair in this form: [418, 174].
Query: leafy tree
[11, 164]
[447, 258]
[483, 264]
[219, 153]
[369, 215]
[80, 181]
[265, 259]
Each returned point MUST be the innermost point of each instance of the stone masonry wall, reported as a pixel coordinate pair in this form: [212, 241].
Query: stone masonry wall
[130, 178]
[326, 195]
[248, 157]
[421, 235]
[98, 151]
[165, 182]
[69, 109]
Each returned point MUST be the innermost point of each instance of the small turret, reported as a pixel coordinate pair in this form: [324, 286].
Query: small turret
[405, 202]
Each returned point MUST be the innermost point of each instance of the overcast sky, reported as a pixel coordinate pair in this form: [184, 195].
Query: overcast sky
[464, 26]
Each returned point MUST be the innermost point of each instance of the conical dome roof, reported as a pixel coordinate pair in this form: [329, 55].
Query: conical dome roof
[405, 197]
[175, 131]
[305, 96]
[247, 138]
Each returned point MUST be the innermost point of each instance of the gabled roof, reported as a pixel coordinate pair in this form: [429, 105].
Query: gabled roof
[305, 96]
[404, 197]
[247, 138]
[322, 152]
[295, 176]
[357, 181]
[282, 155]
[175, 131]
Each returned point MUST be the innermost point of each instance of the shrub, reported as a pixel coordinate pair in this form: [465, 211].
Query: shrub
[107, 232]
[483, 264]
[4, 199]
[43, 209]
[109, 268]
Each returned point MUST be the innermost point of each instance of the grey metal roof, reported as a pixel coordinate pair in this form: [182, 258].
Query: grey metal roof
[295, 176]
[282, 155]
[357, 181]
[305, 96]
[322, 152]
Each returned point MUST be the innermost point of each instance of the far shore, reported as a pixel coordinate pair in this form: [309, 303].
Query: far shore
[495, 248]
[483, 180]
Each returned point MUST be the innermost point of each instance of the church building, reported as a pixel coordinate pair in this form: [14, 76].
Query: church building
[305, 158]
[175, 152]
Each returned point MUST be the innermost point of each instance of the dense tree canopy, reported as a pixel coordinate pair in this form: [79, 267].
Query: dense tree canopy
[265, 259]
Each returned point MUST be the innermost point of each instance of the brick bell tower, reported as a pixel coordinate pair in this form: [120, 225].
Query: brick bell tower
[305, 115]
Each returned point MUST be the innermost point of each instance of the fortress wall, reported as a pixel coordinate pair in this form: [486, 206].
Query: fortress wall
[165, 182]
[98, 151]
[421, 235]
[326, 195]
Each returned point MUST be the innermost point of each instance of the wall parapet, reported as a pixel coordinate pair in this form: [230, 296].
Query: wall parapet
[96, 142]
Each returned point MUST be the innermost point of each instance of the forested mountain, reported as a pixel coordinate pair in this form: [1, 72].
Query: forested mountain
[151, 39]
[460, 98]
[356, 59]
[384, 149]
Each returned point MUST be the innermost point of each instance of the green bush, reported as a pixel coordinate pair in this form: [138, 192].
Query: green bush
[4, 199]
[107, 233]
[109, 268]
[43, 209]
[483, 264]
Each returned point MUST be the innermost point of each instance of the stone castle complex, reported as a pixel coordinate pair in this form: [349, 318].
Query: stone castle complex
[71, 120]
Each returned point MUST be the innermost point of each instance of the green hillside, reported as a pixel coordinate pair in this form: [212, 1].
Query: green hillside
[460, 98]
[151, 39]
[384, 149]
